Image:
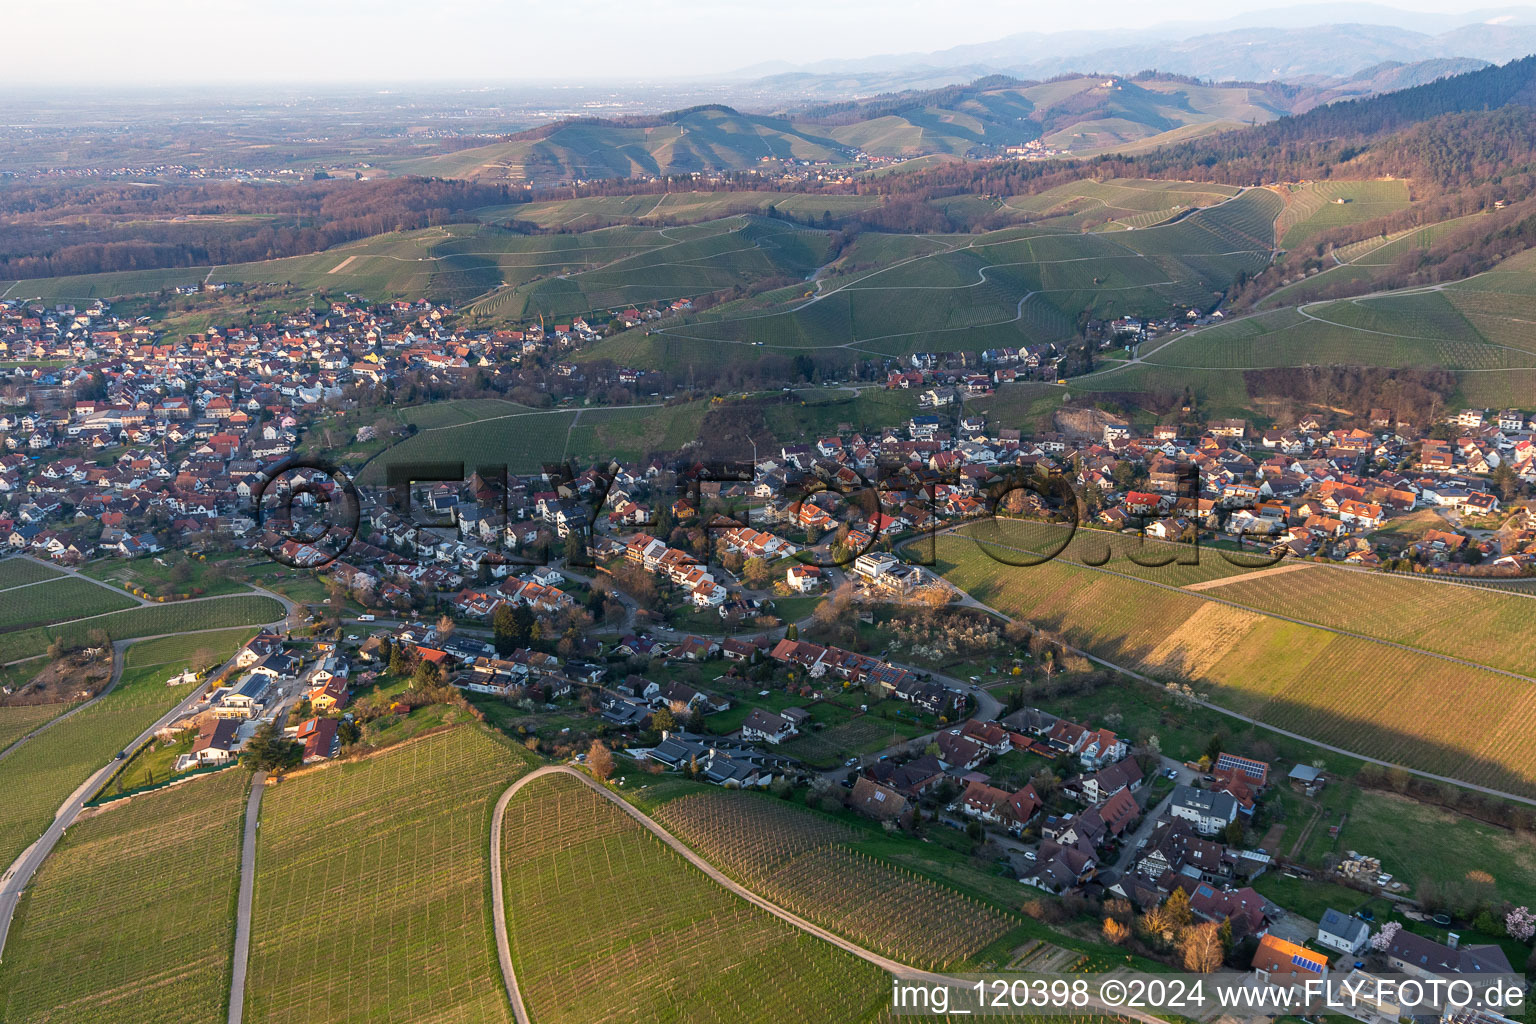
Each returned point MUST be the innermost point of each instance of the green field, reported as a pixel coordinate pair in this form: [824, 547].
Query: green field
[1397, 704]
[16, 722]
[39, 775]
[1314, 208]
[524, 442]
[138, 901]
[16, 572]
[593, 898]
[1411, 837]
[152, 620]
[59, 601]
[1009, 287]
[155, 575]
[372, 889]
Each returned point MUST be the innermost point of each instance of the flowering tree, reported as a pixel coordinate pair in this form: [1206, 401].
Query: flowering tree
[1383, 940]
[1520, 923]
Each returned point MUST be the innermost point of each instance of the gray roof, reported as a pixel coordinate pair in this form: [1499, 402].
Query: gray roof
[1207, 802]
[1350, 929]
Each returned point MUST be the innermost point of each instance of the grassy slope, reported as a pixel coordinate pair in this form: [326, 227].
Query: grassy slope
[1384, 702]
[591, 897]
[138, 901]
[371, 895]
[39, 775]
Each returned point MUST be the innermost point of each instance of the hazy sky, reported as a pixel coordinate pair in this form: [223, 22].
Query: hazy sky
[151, 41]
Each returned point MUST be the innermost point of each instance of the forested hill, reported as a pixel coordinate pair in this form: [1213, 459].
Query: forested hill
[1459, 131]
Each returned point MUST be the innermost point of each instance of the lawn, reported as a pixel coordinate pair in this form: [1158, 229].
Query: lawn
[1411, 839]
[371, 889]
[138, 901]
[607, 923]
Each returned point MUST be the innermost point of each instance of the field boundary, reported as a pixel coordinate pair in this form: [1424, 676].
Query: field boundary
[499, 912]
[1244, 577]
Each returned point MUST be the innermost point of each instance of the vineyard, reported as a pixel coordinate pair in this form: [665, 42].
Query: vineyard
[151, 620]
[797, 861]
[16, 572]
[972, 293]
[137, 902]
[1410, 329]
[18, 721]
[59, 601]
[1313, 209]
[1481, 625]
[1397, 704]
[608, 924]
[371, 900]
[40, 774]
[523, 442]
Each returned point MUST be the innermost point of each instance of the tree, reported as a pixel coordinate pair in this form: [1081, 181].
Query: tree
[663, 721]
[1382, 940]
[1234, 833]
[600, 761]
[1177, 908]
[445, 626]
[1520, 923]
[269, 751]
[1200, 948]
[1116, 932]
[754, 572]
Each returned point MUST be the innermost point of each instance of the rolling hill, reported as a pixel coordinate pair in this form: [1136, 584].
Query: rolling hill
[1082, 113]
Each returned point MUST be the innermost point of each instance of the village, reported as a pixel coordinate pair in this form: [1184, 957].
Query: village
[736, 632]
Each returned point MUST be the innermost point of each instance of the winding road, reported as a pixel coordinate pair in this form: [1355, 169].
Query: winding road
[504, 946]
[19, 875]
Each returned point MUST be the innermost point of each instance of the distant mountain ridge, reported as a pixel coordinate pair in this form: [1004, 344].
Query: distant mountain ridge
[1329, 41]
[1075, 114]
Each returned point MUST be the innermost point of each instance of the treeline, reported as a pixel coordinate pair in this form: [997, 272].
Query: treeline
[50, 230]
[1413, 396]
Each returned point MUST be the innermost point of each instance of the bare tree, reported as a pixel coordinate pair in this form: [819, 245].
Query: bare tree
[1201, 947]
[600, 761]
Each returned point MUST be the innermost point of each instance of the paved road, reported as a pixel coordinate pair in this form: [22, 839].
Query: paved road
[247, 892]
[1132, 673]
[1131, 846]
[19, 874]
[503, 944]
[118, 647]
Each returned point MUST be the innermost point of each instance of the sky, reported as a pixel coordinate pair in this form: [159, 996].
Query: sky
[144, 42]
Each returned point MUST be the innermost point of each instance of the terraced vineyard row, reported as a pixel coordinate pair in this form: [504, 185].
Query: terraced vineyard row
[40, 774]
[58, 601]
[1399, 705]
[137, 901]
[16, 572]
[371, 901]
[608, 924]
[803, 868]
[18, 721]
[1480, 625]
[177, 617]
